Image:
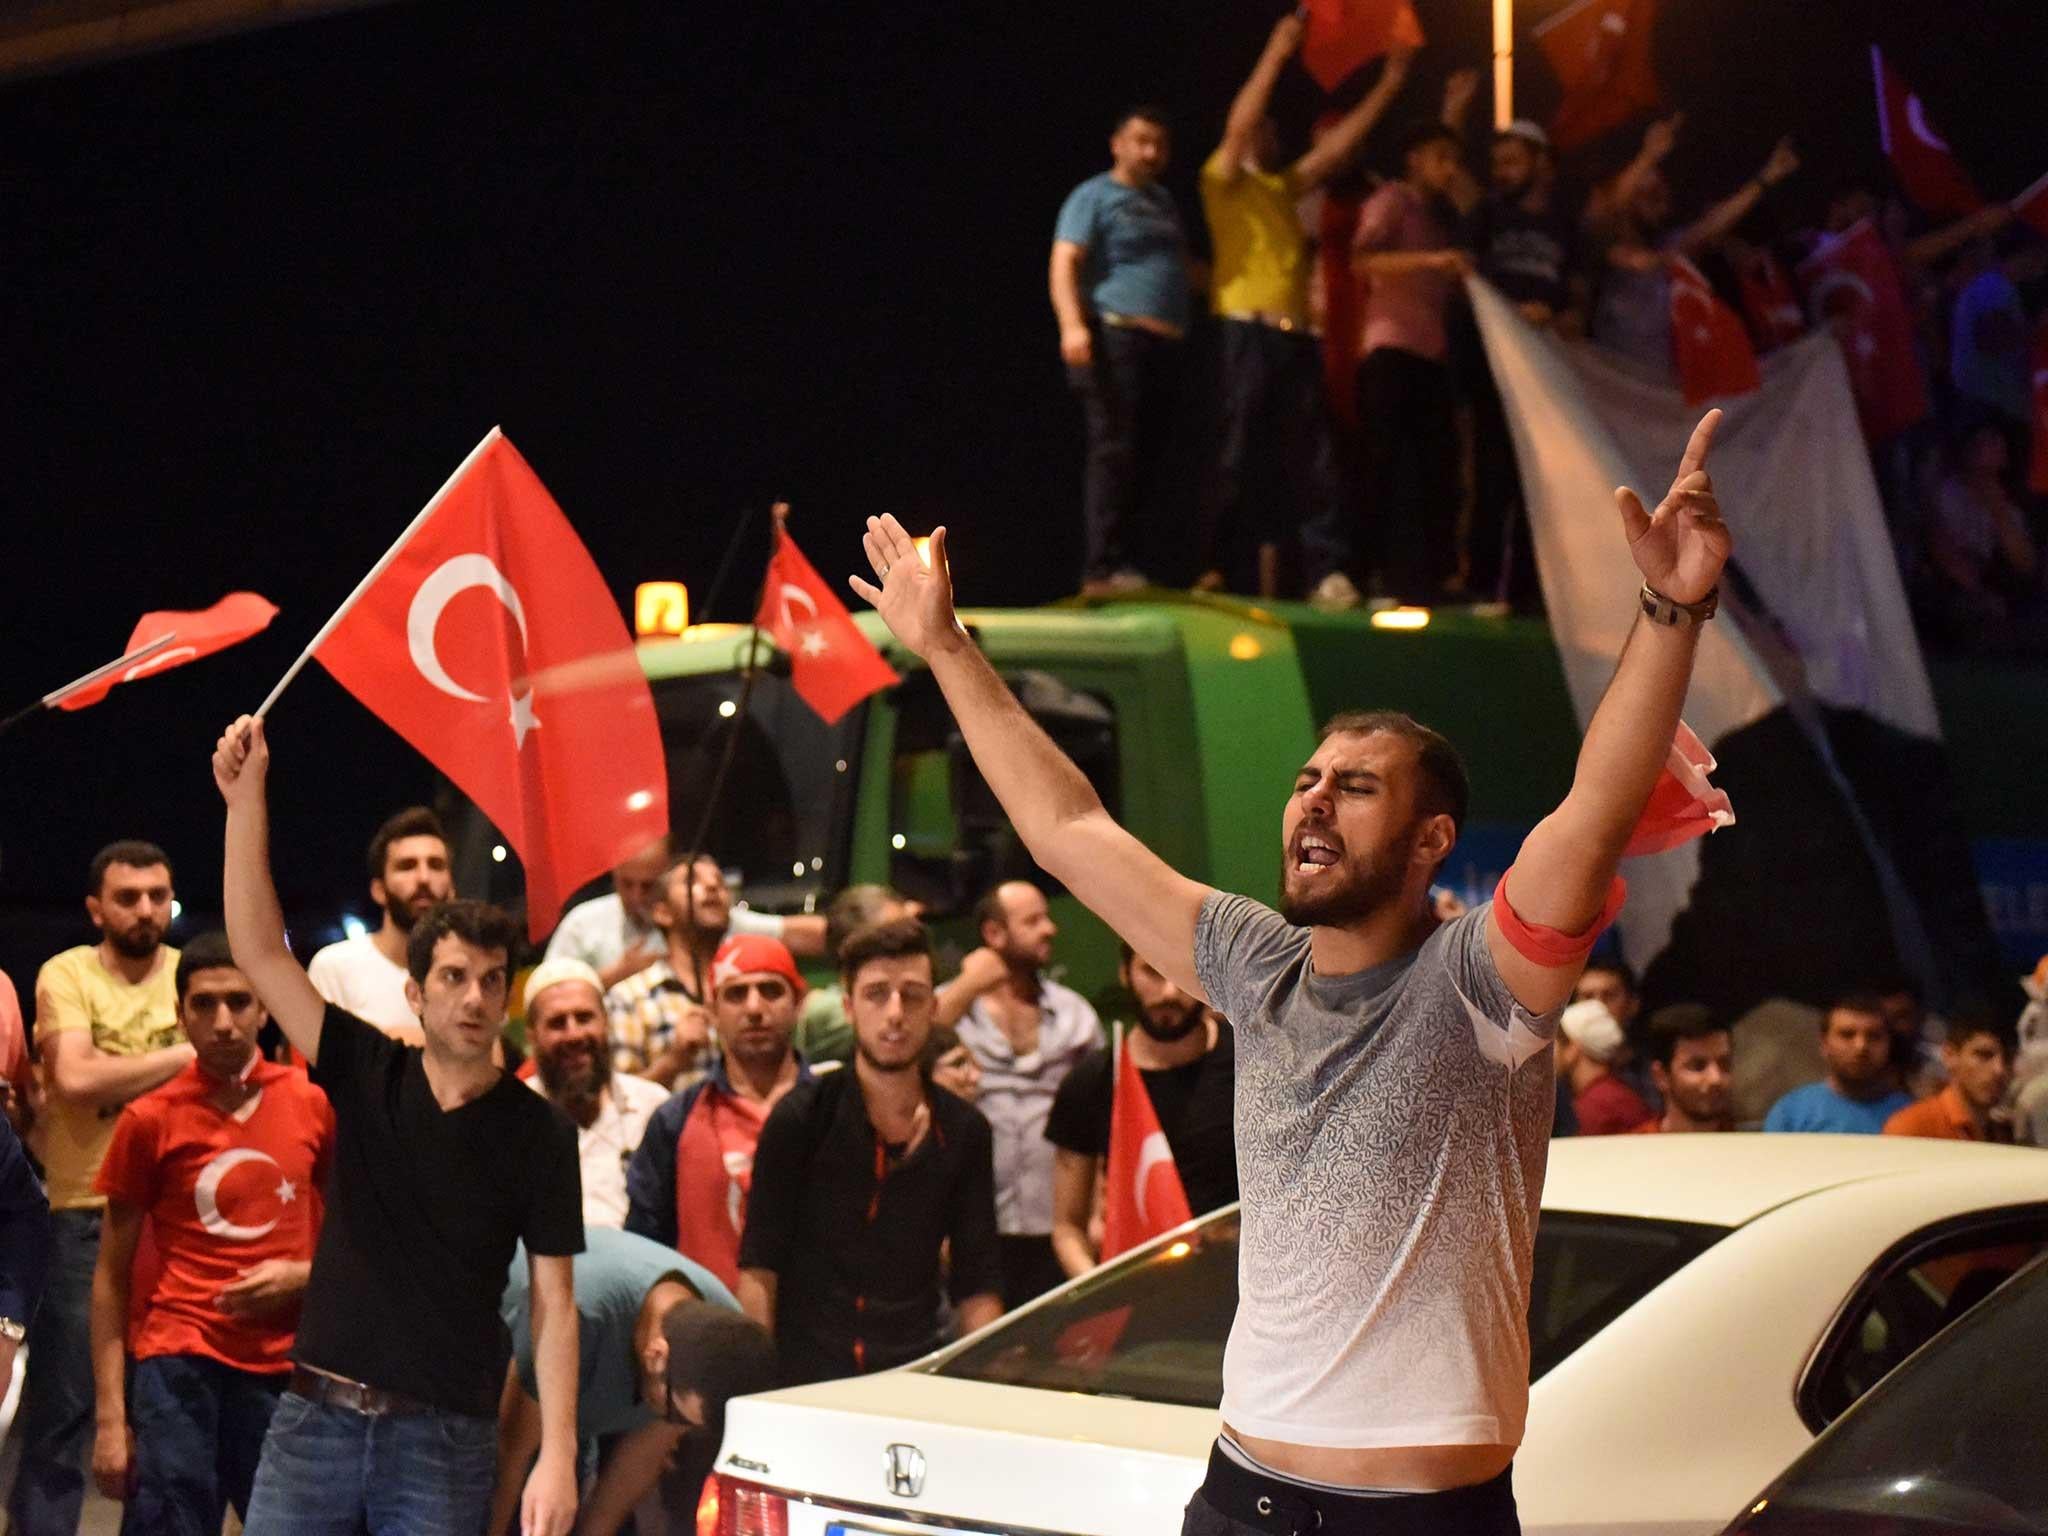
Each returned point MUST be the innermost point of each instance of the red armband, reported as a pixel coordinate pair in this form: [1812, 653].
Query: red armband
[1548, 947]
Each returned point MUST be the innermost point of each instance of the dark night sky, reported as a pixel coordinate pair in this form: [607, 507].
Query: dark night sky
[261, 295]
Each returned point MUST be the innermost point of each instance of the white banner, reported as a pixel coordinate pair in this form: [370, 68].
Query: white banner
[1795, 485]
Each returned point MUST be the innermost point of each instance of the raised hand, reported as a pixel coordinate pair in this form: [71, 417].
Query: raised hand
[1681, 547]
[1287, 33]
[914, 600]
[1661, 136]
[1783, 162]
[241, 760]
[1459, 91]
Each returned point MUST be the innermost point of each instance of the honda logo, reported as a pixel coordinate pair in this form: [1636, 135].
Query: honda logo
[904, 1469]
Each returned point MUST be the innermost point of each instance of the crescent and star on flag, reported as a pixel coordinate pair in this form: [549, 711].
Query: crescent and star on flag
[206, 1195]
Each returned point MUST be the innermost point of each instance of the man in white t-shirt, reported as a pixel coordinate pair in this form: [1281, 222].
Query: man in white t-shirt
[572, 1058]
[408, 864]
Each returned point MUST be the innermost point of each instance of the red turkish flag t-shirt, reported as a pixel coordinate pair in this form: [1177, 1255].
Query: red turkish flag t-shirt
[491, 643]
[223, 1194]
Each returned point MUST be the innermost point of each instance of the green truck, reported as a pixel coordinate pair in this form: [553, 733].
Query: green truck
[1190, 714]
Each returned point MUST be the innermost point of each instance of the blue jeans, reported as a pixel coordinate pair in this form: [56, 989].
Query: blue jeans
[333, 1472]
[56, 1416]
[199, 1428]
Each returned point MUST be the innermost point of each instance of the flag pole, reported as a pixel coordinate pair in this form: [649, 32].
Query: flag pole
[1503, 62]
[51, 699]
[383, 564]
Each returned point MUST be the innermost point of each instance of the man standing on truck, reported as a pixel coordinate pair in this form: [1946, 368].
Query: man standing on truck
[1395, 1090]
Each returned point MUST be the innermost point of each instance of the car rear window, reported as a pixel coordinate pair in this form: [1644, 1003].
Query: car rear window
[1154, 1328]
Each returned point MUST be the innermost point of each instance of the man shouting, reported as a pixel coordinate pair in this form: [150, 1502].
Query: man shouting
[1394, 1090]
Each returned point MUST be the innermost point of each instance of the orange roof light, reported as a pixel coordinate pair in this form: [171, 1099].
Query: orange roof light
[1401, 618]
[661, 609]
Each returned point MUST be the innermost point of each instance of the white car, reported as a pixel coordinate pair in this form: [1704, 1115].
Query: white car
[1703, 1306]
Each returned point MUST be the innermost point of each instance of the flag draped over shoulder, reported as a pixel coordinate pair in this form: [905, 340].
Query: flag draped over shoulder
[492, 645]
[1810, 688]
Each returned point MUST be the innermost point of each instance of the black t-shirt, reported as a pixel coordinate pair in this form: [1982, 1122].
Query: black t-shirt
[1194, 1105]
[424, 1206]
[1527, 256]
[852, 1229]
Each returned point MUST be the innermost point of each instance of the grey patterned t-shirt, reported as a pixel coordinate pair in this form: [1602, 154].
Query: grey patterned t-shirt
[1392, 1127]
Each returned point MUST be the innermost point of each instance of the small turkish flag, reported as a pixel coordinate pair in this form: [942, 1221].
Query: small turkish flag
[1769, 302]
[2031, 207]
[1712, 350]
[1682, 805]
[228, 622]
[2037, 466]
[1928, 170]
[1852, 283]
[1143, 1196]
[492, 645]
[1343, 36]
[832, 665]
[1599, 50]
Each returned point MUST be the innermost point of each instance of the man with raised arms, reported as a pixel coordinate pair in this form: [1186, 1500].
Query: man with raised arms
[1394, 1090]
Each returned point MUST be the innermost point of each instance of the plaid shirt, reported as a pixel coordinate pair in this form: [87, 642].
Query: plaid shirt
[645, 1011]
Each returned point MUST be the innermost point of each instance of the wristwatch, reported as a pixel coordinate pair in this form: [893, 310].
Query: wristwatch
[1670, 613]
[12, 1331]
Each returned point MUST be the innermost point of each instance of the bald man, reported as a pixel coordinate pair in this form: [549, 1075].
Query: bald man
[1026, 1031]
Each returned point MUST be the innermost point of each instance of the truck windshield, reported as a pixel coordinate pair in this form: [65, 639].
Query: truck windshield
[784, 815]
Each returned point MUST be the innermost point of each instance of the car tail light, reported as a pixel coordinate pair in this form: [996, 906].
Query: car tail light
[730, 1507]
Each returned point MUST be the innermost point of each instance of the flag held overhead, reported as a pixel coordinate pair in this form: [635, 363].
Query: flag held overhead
[487, 638]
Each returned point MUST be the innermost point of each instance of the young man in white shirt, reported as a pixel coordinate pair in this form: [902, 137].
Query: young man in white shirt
[408, 864]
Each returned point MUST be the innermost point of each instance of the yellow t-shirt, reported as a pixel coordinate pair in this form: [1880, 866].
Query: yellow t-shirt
[1261, 253]
[75, 991]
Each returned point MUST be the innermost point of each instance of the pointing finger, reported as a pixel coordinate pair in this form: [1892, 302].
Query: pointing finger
[1695, 456]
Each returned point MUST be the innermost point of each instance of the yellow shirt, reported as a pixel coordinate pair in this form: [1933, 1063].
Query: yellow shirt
[75, 991]
[1261, 254]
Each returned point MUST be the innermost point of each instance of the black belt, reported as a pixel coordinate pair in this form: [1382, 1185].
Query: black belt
[1288, 1509]
[355, 1396]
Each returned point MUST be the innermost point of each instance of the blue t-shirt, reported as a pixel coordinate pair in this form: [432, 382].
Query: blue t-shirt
[1817, 1107]
[1137, 261]
[614, 1273]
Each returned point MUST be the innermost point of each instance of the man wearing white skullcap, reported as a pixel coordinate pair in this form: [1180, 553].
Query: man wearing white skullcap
[1589, 1043]
[568, 1035]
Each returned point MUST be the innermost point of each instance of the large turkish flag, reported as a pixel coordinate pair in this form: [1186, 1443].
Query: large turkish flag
[492, 645]
[832, 665]
[1710, 345]
[1852, 283]
[1927, 169]
[1599, 50]
[1142, 1196]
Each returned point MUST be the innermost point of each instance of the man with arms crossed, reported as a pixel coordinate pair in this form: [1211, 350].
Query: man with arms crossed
[1394, 1093]
[442, 1164]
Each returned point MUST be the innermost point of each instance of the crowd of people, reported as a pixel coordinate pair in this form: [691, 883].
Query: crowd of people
[1360, 452]
[851, 1173]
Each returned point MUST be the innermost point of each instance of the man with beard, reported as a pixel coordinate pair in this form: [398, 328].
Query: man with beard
[1859, 1092]
[862, 1180]
[572, 1056]
[1026, 1031]
[107, 1032]
[687, 1186]
[660, 1028]
[1692, 1062]
[408, 865]
[1395, 1095]
[1187, 1059]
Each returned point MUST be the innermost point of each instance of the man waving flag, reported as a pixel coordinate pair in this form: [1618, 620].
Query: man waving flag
[488, 640]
